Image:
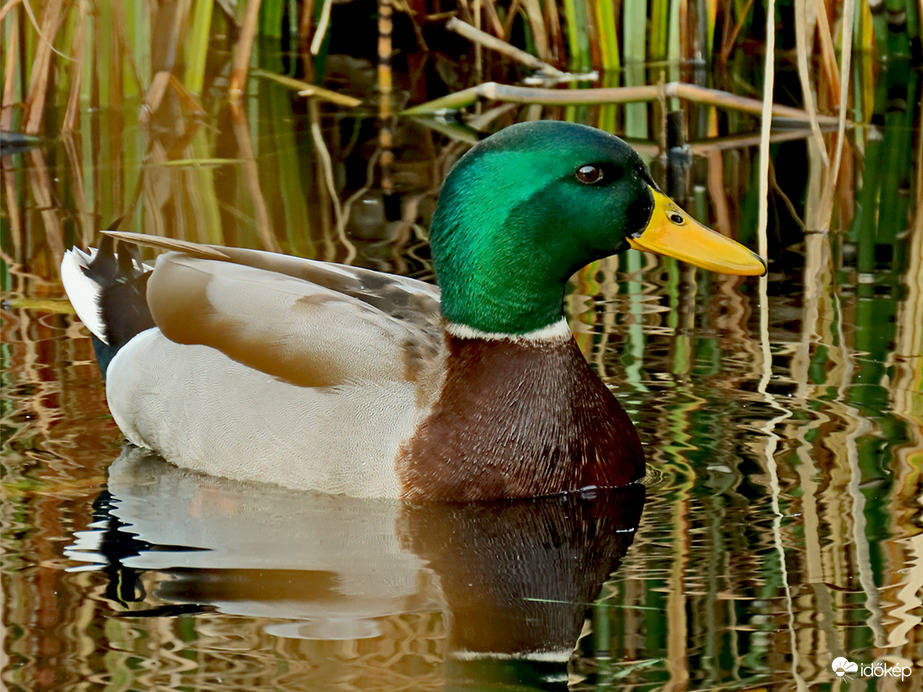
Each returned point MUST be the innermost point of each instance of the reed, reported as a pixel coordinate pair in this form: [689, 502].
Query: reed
[99, 54]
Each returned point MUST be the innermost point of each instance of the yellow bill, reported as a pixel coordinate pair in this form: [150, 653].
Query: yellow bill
[672, 232]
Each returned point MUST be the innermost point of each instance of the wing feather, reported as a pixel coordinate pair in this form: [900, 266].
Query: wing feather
[407, 299]
[287, 327]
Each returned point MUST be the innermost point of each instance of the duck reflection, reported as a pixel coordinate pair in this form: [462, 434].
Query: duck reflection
[511, 579]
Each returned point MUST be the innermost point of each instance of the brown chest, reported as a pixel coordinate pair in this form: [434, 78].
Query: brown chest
[519, 419]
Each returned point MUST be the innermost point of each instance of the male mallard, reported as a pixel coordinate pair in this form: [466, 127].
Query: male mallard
[254, 365]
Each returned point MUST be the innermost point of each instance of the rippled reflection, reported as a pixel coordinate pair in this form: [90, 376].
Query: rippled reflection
[467, 583]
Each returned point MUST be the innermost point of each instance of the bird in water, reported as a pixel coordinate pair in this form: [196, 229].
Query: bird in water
[313, 375]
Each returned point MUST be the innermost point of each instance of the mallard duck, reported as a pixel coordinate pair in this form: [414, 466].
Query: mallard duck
[307, 374]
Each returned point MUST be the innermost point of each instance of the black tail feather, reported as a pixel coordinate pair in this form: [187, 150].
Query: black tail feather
[118, 270]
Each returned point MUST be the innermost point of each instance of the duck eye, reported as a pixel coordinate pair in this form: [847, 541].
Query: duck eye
[589, 175]
[677, 218]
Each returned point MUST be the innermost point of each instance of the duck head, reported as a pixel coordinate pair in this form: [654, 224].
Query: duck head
[530, 205]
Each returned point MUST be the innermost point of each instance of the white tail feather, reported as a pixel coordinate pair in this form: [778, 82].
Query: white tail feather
[84, 293]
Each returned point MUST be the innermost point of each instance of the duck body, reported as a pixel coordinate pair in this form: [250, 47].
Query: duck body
[258, 366]
[478, 433]
[425, 414]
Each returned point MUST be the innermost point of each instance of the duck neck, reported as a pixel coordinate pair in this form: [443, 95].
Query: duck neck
[495, 274]
[519, 417]
[513, 302]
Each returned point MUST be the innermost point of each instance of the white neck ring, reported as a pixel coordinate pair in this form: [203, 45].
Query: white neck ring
[556, 331]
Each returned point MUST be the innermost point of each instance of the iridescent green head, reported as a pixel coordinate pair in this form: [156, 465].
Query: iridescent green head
[527, 207]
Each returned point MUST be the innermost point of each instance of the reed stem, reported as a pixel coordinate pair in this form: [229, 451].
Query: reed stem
[243, 49]
[635, 94]
[482, 38]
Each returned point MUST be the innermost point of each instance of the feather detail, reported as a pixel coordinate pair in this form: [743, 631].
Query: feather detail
[85, 294]
[193, 249]
[108, 291]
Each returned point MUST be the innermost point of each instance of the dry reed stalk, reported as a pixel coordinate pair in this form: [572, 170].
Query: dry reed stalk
[155, 94]
[551, 97]
[307, 89]
[478, 49]
[9, 74]
[154, 97]
[826, 208]
[539, 32]
[807, 90]
[591, 29]
[322, 24]
[115, 66]
[243, 49]
[36, 98]
[763, 250]
[331, 96]
[846, 188]
[816, 170]
[555, 33]
[72, 111]
[172, 26]
[164, 65]
[712, 145]
[8, 7]
[714, 97]
[385, 52]
[385, 114]
[38, 29]
[252, 176]
[494, 19]
[765, 130]
[484, 39]
[512, 12]
[827, 51]
[719, 196]
[121, 37]
[326, 188]
[306, 20]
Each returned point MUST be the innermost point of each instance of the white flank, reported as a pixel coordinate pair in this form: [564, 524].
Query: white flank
[84, 293]
[557, 331]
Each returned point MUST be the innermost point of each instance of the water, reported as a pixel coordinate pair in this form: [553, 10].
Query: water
[782, 524]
